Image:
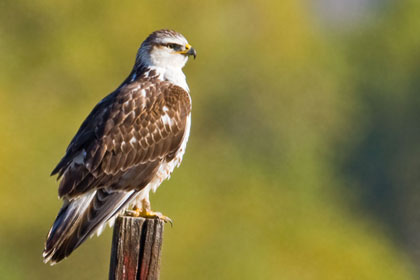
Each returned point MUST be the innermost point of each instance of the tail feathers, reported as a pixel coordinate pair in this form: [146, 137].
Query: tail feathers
[80, 218]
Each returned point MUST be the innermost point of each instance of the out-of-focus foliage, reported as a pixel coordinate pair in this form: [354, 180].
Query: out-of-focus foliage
[303, 161]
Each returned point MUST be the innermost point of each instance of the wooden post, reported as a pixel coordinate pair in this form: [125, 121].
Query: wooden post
[136, 245]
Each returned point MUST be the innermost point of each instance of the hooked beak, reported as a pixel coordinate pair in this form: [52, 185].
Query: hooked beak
[189, 51]
[192, 52]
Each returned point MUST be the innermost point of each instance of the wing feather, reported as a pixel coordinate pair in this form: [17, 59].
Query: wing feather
[136, 125]
[80, 218]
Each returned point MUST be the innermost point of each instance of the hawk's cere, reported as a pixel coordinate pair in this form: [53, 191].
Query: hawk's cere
[130, 142]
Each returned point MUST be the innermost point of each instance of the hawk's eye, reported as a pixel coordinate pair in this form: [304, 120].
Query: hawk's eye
[175, 47]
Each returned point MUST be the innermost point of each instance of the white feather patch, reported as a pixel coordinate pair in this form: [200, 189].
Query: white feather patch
[133, 140]
[143, 93]
[167, 120]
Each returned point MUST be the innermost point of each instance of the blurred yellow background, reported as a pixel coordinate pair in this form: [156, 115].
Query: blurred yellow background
[304, 155]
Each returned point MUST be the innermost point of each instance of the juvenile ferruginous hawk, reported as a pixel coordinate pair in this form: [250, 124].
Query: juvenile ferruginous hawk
[130, 142]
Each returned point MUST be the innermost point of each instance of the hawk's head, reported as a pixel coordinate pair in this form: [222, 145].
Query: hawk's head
[165, 48]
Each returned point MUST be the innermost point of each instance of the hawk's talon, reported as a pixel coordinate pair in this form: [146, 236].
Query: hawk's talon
[136, 212]
[157, 215]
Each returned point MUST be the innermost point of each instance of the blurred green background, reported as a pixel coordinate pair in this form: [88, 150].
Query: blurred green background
[304, 156]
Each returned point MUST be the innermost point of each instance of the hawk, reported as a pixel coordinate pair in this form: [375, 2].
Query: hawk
[130, 142]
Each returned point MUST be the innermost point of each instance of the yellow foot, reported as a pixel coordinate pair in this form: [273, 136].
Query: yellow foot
[152, 214]
[136, 212]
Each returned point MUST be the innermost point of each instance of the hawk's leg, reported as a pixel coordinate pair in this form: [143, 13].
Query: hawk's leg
[146, 212]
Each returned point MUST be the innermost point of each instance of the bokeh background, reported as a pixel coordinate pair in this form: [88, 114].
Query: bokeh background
[304, 155]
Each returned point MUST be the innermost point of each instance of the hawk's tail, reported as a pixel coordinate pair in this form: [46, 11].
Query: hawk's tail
[80, 218]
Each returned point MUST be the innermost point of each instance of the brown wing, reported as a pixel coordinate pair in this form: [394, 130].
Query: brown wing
[125, 138]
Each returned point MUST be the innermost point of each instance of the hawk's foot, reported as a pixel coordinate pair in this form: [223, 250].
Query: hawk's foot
[153, 214]
[137, 212]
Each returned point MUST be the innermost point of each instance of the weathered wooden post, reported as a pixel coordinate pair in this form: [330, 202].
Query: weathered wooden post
[136, 246]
